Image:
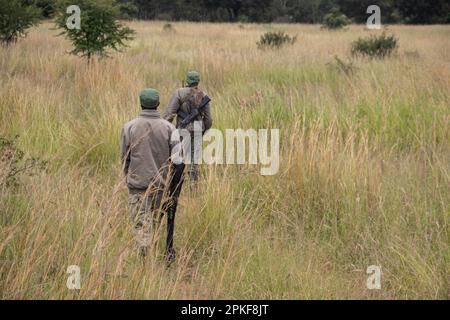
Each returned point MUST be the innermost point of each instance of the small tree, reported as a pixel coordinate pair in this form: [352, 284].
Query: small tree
[335, 20]
[275, 40]
[16, 17]
[99, 29]
[375, 46]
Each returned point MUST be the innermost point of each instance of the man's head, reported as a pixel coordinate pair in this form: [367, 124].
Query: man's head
[149, 98]
[192, 78]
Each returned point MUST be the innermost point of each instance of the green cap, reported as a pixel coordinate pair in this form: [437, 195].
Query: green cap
[149, 98]
[192, 77]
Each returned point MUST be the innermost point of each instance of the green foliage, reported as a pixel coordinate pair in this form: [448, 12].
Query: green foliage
[13, 163]
[16, 17]
[127, 9]
[47, 7]
[335, 20]
[275, 40]
[283, 11]
[244, 19]
[375, 46]
[168, 27]
[99, 30]
[421, 12]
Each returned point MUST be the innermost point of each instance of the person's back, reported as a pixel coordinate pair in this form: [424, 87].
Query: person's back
[183, 101]
[147, 144]
[146, 139]
[181, 104]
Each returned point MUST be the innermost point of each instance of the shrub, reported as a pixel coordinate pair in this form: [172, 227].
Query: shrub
[375, 46]
[99, 30]
[275, 40]
[168, 27]
[15, 18]
[13, 163]
[335, 20]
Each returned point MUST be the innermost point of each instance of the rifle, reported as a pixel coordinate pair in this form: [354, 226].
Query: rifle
[174, 192]
[195, 112]
[176, 183]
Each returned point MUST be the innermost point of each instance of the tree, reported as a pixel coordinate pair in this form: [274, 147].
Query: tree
[16, 17]
[47, 7]
[127, 9]
[335, 20]
[421, 12]
[233, 7]
[99, 29]
[310, 11]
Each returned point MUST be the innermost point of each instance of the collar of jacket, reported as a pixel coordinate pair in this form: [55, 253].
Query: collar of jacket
[150, 113]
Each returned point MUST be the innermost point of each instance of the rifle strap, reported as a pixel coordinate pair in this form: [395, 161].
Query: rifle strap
[181, 113]
[188, 99]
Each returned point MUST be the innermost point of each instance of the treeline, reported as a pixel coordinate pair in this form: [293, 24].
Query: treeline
[304, 11]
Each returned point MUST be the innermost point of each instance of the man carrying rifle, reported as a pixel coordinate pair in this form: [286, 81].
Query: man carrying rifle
[148, 143]
[183, 104]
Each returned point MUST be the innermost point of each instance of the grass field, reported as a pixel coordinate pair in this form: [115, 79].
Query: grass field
[364, 176]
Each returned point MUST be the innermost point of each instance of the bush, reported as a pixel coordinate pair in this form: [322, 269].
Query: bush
[375, 46]
[14, 164]
[168, 27]
[275, 40]
[15, 18]
[335, 20]
[99, 30]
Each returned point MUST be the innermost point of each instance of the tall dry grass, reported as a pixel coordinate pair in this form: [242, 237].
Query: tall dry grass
[364, 176]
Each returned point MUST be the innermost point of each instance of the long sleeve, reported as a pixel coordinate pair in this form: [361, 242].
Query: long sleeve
[172, 108]
[176, 154]
[124, 151]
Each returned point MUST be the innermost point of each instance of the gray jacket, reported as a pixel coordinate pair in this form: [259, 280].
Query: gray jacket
[178, 107]
[146, 147]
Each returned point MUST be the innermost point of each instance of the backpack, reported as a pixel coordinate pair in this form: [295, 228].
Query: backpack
[192, 100]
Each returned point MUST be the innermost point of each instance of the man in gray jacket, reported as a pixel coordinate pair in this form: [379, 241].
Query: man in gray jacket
[147, 144]
[180, 106]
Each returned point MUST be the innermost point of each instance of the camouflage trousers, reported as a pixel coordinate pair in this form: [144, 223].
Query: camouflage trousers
[146, 213]
[193, 168]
